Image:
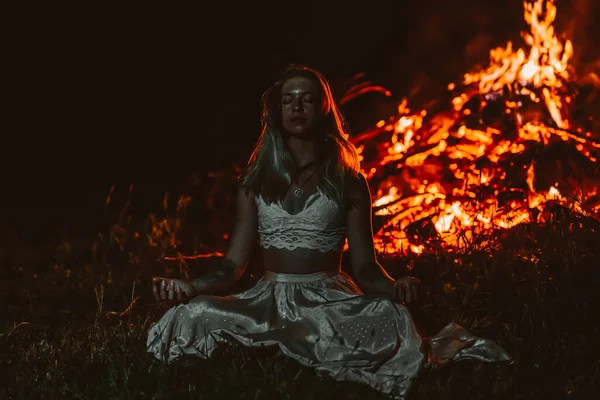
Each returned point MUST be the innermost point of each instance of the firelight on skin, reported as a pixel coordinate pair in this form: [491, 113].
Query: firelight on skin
[299, 110]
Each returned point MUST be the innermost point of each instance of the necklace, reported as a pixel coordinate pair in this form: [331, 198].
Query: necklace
[300, 192]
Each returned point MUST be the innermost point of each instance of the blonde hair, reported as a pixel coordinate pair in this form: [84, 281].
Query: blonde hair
[270, 168]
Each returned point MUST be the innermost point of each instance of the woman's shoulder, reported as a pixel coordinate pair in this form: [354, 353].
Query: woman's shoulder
[356, 180]
[357, 189]
[246, 194]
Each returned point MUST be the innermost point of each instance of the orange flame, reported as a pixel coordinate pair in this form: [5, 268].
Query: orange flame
[545, 66]
[432, 170]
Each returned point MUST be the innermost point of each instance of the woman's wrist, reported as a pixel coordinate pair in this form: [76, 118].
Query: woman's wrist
[221, 274]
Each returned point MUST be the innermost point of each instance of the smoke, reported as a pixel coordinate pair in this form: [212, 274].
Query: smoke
[579, 19]
[580, 27]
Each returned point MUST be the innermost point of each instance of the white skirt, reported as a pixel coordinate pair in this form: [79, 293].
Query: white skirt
[322, 320]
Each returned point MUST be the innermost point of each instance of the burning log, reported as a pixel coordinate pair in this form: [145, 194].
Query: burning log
[512, 139]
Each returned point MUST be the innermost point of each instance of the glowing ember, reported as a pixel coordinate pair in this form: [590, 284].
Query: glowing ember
[459, 174]
[182, 257]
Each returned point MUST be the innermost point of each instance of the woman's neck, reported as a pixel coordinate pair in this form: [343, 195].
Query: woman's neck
[302, 151]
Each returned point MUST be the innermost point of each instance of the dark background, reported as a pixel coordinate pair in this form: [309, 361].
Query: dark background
[151, 94]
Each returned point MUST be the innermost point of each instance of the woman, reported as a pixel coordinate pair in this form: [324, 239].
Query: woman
[302, 196]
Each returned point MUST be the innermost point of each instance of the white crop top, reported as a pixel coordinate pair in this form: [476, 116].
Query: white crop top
[319, 226]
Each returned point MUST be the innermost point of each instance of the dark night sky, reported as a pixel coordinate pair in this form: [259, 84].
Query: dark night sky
[155, 93]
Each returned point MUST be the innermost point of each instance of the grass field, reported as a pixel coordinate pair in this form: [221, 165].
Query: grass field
[64, 334]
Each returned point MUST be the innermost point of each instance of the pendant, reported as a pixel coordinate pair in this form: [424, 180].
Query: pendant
[298, 192]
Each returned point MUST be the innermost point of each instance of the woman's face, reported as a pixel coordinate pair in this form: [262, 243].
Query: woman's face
[300, 106]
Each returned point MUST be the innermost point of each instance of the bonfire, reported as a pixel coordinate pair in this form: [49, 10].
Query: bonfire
[509, 144]
[506, 146]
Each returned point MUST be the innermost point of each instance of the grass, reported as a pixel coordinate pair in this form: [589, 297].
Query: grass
[64, 334]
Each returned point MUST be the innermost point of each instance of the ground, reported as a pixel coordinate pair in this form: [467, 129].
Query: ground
[65, 334]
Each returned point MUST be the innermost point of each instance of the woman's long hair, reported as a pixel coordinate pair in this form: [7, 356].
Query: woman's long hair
[270, 169]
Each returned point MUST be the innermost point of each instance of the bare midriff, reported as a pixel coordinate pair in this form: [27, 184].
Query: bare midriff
[299, 261]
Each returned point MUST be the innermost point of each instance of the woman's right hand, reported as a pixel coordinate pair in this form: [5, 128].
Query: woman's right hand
[172, 289]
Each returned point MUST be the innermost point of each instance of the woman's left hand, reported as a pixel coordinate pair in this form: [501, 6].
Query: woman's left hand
[405, 289]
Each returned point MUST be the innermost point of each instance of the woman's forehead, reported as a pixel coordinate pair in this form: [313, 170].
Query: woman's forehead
[298, 84]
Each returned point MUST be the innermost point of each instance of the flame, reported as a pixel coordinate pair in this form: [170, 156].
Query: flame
[447, 175]
[545, 66]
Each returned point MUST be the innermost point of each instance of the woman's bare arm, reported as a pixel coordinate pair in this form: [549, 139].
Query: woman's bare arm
[225, 271]
[367, 272]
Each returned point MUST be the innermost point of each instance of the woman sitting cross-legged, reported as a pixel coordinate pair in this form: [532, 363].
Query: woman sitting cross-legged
[302, 196]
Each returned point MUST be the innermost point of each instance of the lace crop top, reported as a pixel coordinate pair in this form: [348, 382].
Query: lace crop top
[319, 226]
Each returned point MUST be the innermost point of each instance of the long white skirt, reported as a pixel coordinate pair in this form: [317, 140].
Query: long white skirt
[322, 320]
